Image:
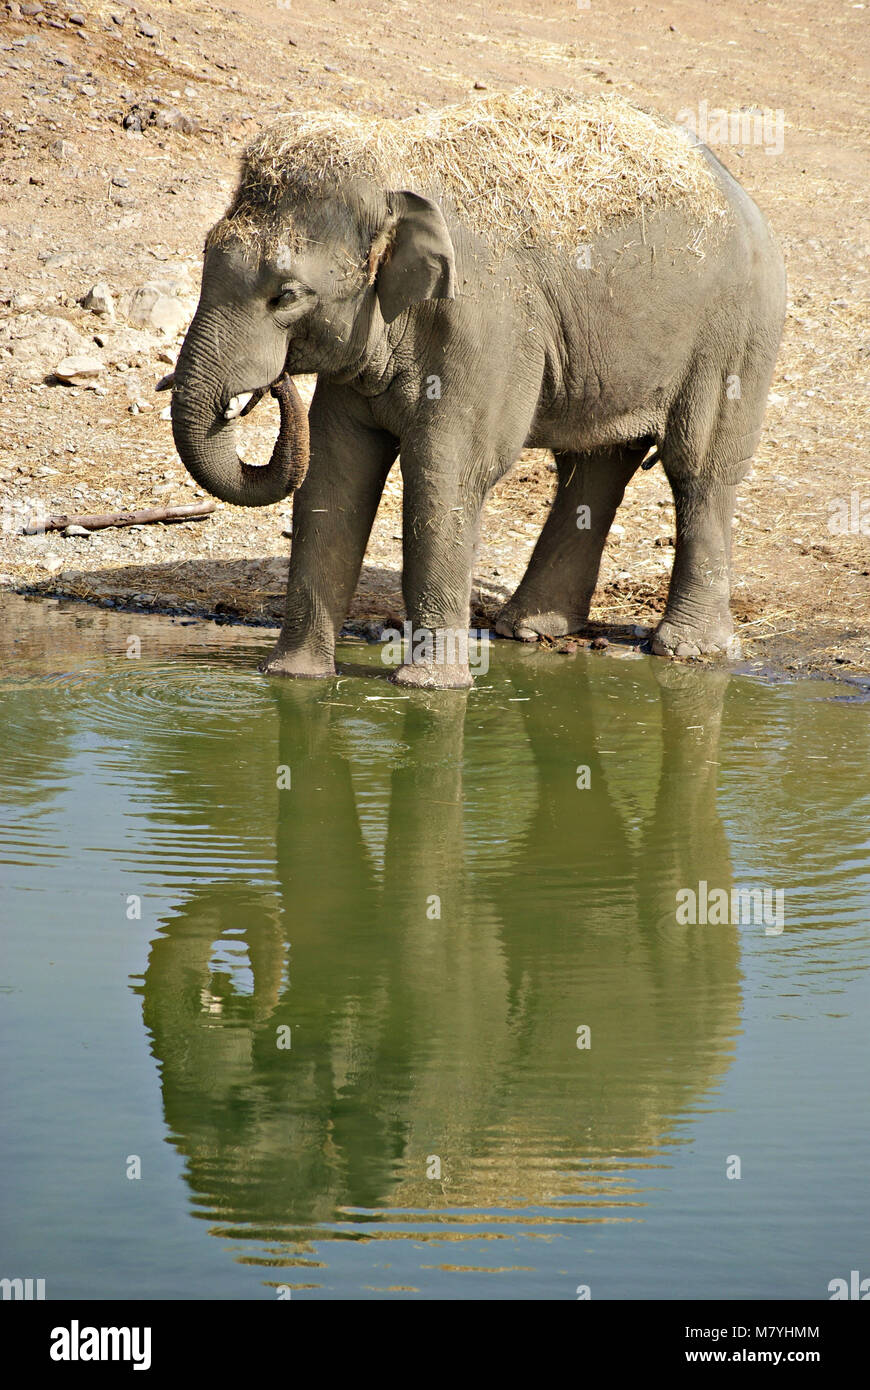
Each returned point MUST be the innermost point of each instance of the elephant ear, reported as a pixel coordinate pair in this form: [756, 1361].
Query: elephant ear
[412, 259]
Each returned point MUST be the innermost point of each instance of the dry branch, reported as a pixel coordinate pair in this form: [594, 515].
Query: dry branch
[196, 511]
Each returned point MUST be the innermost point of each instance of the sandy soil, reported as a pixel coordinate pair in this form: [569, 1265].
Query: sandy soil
[85, 201]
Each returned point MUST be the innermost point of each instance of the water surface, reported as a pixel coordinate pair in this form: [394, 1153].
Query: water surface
[342, 1023]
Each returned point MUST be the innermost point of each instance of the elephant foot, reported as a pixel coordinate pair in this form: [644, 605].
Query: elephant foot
[433, 675]
[685, 640]
[300, 664]
[528, 626]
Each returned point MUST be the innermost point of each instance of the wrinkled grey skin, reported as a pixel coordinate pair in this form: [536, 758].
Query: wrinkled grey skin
[424, 343]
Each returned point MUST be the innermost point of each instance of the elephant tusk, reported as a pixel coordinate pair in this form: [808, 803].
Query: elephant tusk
[237, 405]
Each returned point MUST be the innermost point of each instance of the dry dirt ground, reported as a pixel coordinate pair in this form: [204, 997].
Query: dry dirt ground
[85, 200]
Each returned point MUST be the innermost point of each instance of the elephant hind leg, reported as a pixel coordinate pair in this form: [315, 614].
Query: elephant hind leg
[555, 593]
[697, 619]
[708, 448]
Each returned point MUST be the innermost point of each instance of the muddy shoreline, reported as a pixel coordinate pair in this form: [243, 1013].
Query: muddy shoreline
[599, 638]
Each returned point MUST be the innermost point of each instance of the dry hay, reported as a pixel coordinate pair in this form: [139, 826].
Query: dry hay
[517, 166]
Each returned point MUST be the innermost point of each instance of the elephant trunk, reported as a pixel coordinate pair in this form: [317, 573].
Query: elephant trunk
[206, 443]
[291, 450]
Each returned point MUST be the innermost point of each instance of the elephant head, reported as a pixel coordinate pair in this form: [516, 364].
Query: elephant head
[299, 279]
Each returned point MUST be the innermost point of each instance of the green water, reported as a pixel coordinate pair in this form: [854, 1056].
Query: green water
[427, 915]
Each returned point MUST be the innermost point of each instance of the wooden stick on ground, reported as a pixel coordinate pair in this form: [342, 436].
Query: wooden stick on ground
[197, 511]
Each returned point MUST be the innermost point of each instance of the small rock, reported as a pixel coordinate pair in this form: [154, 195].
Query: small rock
[77, 19]
[99, 300]
[567, 649]
[74, 530]
[173, 119]
[480, 86]
[53, 563]
[120, 181]
[31, 10]
[88, 89]
[598, 644]
[64, 149]
[56, 261]
[147, 30]
[78, 370]
[151, 308]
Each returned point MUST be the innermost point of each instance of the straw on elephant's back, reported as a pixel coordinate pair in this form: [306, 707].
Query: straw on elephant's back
[518, 166]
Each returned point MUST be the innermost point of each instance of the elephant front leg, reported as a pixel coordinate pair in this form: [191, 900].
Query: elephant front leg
[333, 513]
[556, 591]
[440, 528]
[697, 618]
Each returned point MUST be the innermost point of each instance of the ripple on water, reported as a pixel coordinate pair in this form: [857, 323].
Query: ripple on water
[114, 717]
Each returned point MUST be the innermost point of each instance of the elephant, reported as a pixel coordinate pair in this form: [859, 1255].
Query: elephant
[454, 344]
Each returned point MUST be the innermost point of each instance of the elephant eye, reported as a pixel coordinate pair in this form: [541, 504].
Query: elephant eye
[287, 295]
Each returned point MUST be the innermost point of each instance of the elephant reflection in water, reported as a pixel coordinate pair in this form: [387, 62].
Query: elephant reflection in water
[450, 908]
